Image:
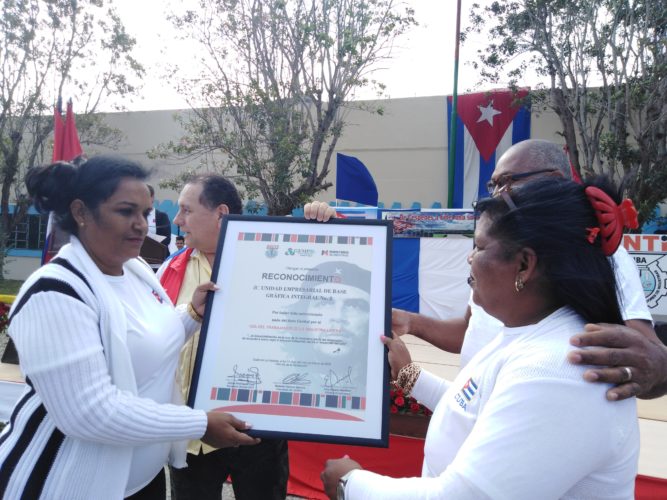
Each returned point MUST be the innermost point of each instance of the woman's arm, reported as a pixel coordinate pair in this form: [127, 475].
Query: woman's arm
[58, 340]
[192, 314]
[61, 354]
[541, 435]
[445, 334]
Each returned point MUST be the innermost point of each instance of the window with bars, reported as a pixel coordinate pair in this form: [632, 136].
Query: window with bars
[29, 234]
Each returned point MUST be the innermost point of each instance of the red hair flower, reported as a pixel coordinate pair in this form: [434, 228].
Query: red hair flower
[612, 218]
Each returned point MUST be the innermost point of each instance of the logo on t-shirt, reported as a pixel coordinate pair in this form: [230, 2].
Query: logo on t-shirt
[469, 389]
[466, 394]
[157, 296]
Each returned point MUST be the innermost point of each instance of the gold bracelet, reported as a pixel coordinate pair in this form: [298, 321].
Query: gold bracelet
[194, 314]
[407, 377]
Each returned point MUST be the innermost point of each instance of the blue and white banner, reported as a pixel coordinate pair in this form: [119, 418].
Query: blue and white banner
[430, 275]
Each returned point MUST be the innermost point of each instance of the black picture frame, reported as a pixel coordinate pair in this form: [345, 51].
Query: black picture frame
[278, 346]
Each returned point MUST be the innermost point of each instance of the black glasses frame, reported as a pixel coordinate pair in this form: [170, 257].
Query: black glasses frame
[508, 179]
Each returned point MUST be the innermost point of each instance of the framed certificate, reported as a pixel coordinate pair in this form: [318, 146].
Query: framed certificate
[290, 341]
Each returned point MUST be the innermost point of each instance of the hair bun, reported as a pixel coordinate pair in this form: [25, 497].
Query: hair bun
[50, 186]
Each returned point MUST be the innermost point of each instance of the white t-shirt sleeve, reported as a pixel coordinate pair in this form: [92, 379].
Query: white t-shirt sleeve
[429, 389]
[366, 485]
[630, 291]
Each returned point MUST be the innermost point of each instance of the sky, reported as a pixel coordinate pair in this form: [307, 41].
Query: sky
[422, 63]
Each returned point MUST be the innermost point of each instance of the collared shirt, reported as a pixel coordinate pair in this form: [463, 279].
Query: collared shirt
[197, 272]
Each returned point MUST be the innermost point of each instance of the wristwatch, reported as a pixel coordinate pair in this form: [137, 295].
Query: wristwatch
[340, 490]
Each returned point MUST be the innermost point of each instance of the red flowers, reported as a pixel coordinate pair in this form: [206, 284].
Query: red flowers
[400, 403]
[4, 313]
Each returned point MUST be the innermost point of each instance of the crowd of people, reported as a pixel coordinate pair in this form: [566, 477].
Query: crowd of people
[556, 319]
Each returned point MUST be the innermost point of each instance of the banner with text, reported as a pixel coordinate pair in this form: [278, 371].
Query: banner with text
[650, 254]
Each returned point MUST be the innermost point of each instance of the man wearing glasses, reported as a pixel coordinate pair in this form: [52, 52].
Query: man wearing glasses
[630, 356]
[635, 346]
[505, 181]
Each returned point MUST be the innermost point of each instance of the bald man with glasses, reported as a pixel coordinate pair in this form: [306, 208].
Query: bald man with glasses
[505, 181]
[631, 357]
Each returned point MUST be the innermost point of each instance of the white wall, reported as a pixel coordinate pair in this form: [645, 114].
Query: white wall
[19, 268]
[405, 149]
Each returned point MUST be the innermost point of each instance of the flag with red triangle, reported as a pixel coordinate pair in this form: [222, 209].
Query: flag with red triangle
[488, 123]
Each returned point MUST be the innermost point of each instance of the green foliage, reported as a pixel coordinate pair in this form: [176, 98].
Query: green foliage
[604, 68]
[271, 99]
[10, 287]
[52, 47]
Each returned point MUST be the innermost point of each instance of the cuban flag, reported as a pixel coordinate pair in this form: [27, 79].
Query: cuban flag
[488, 123]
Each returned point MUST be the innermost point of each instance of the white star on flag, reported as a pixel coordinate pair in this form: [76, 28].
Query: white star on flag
[487, 113]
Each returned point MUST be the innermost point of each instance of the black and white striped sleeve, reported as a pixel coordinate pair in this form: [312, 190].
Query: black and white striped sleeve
[57, 336]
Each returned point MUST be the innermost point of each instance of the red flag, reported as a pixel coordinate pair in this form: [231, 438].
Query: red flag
[58, 132]
[66, 147]
[71, 147]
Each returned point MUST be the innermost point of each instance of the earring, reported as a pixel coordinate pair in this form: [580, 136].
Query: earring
[81, 224]
[518, 284]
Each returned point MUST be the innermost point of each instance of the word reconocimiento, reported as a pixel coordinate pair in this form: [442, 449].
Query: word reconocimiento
[321, 278]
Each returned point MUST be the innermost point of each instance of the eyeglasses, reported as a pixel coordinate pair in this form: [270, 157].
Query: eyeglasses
[506, 180]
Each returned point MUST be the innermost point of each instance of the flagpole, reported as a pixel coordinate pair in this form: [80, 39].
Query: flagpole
[452, 121]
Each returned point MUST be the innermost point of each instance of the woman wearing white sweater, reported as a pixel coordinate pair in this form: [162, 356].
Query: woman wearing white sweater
[98, 342]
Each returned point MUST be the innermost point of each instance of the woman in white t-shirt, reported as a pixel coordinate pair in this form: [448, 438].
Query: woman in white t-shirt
[98, 342]
[519, 421]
